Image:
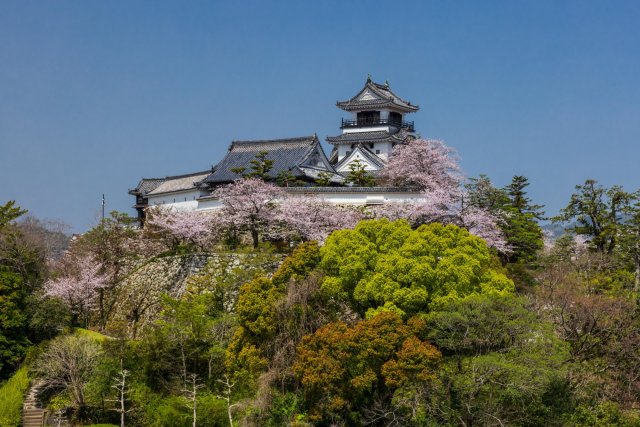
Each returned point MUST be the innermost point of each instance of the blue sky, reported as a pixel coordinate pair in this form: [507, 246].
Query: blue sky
[96, 95]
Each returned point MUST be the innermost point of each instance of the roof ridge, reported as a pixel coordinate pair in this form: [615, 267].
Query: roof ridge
[186, 175]
[281, 140]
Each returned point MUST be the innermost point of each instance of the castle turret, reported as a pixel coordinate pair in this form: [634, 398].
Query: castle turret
[377, 123]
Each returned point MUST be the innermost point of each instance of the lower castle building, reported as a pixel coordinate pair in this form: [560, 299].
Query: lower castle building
[375, 126]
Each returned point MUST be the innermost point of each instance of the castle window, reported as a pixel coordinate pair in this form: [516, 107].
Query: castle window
[368, 118]
[395, 119]
[377, 151]
[371, 145]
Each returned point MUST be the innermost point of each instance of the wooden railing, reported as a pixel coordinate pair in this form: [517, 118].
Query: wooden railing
[365, 122]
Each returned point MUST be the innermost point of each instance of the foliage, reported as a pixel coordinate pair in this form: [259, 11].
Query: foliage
[288, 179]
[22, 266]
[12, 396]
[343, 368]
[597, 211]
[324, 179]
[260, 166]
[517, 217]
[47, 317]
[604, 414]
[13, 320]
[502, 363]
[382, 262]
[358, 175]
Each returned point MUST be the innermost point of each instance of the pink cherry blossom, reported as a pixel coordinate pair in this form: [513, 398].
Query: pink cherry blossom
[313, 218]
[194, 227]
[426, 164]
[249, 205]
[78, 289]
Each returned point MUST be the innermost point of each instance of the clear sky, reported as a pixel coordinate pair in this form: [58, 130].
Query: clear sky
[96, 95]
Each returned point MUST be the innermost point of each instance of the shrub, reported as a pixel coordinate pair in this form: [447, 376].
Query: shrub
[12, 396]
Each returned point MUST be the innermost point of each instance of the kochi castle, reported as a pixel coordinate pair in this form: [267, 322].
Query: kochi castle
[375, 124]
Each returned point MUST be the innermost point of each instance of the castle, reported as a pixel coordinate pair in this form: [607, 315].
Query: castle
[376, 124]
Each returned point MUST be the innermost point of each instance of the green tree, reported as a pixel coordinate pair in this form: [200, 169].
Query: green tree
[501, 364]
[287, 179]
[519, 217]
[260, 166]
[389, 265]
[22, 266]
[597, 211]
[521, 229]
[482, 194]
[358, 175]
[324, 179]
[630, 239]
[13, 321]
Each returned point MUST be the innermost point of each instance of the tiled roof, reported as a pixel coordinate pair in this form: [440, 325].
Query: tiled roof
[293, 154]
[180, 183]
[364, 137]
[381, 96]
[146, 185]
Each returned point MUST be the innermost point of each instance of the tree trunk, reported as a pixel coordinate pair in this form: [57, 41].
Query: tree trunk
[195, 403]
[122, 409]
[254, 236]
[636, 285]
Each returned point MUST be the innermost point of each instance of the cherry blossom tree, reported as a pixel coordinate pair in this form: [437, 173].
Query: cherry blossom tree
[425, 164]
[484, 224]
[249, 205]
[313, 218]
[195, 227]
[432, 167]
[80, 288]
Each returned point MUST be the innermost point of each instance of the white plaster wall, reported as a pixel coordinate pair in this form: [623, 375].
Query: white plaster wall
[357, 156]
[183, 200]
[366, 129]
[344, 198]
[208, 204]
[341, 198]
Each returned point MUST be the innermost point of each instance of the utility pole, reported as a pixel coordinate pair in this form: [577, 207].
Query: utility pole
[103, 207]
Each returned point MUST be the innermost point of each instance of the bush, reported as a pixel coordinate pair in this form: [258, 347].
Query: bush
[12, 396]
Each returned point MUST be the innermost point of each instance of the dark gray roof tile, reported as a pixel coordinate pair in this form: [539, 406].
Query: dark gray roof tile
[287, 155]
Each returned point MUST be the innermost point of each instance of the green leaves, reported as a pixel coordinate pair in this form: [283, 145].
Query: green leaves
[386, 263]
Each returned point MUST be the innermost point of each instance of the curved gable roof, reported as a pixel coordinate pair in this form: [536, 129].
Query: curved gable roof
[376, 95]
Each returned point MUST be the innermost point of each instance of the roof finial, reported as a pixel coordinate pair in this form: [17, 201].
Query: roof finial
[386, 83]
[368, 78]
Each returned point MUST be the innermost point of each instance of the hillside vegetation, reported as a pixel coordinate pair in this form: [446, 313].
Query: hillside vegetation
[451, 311]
